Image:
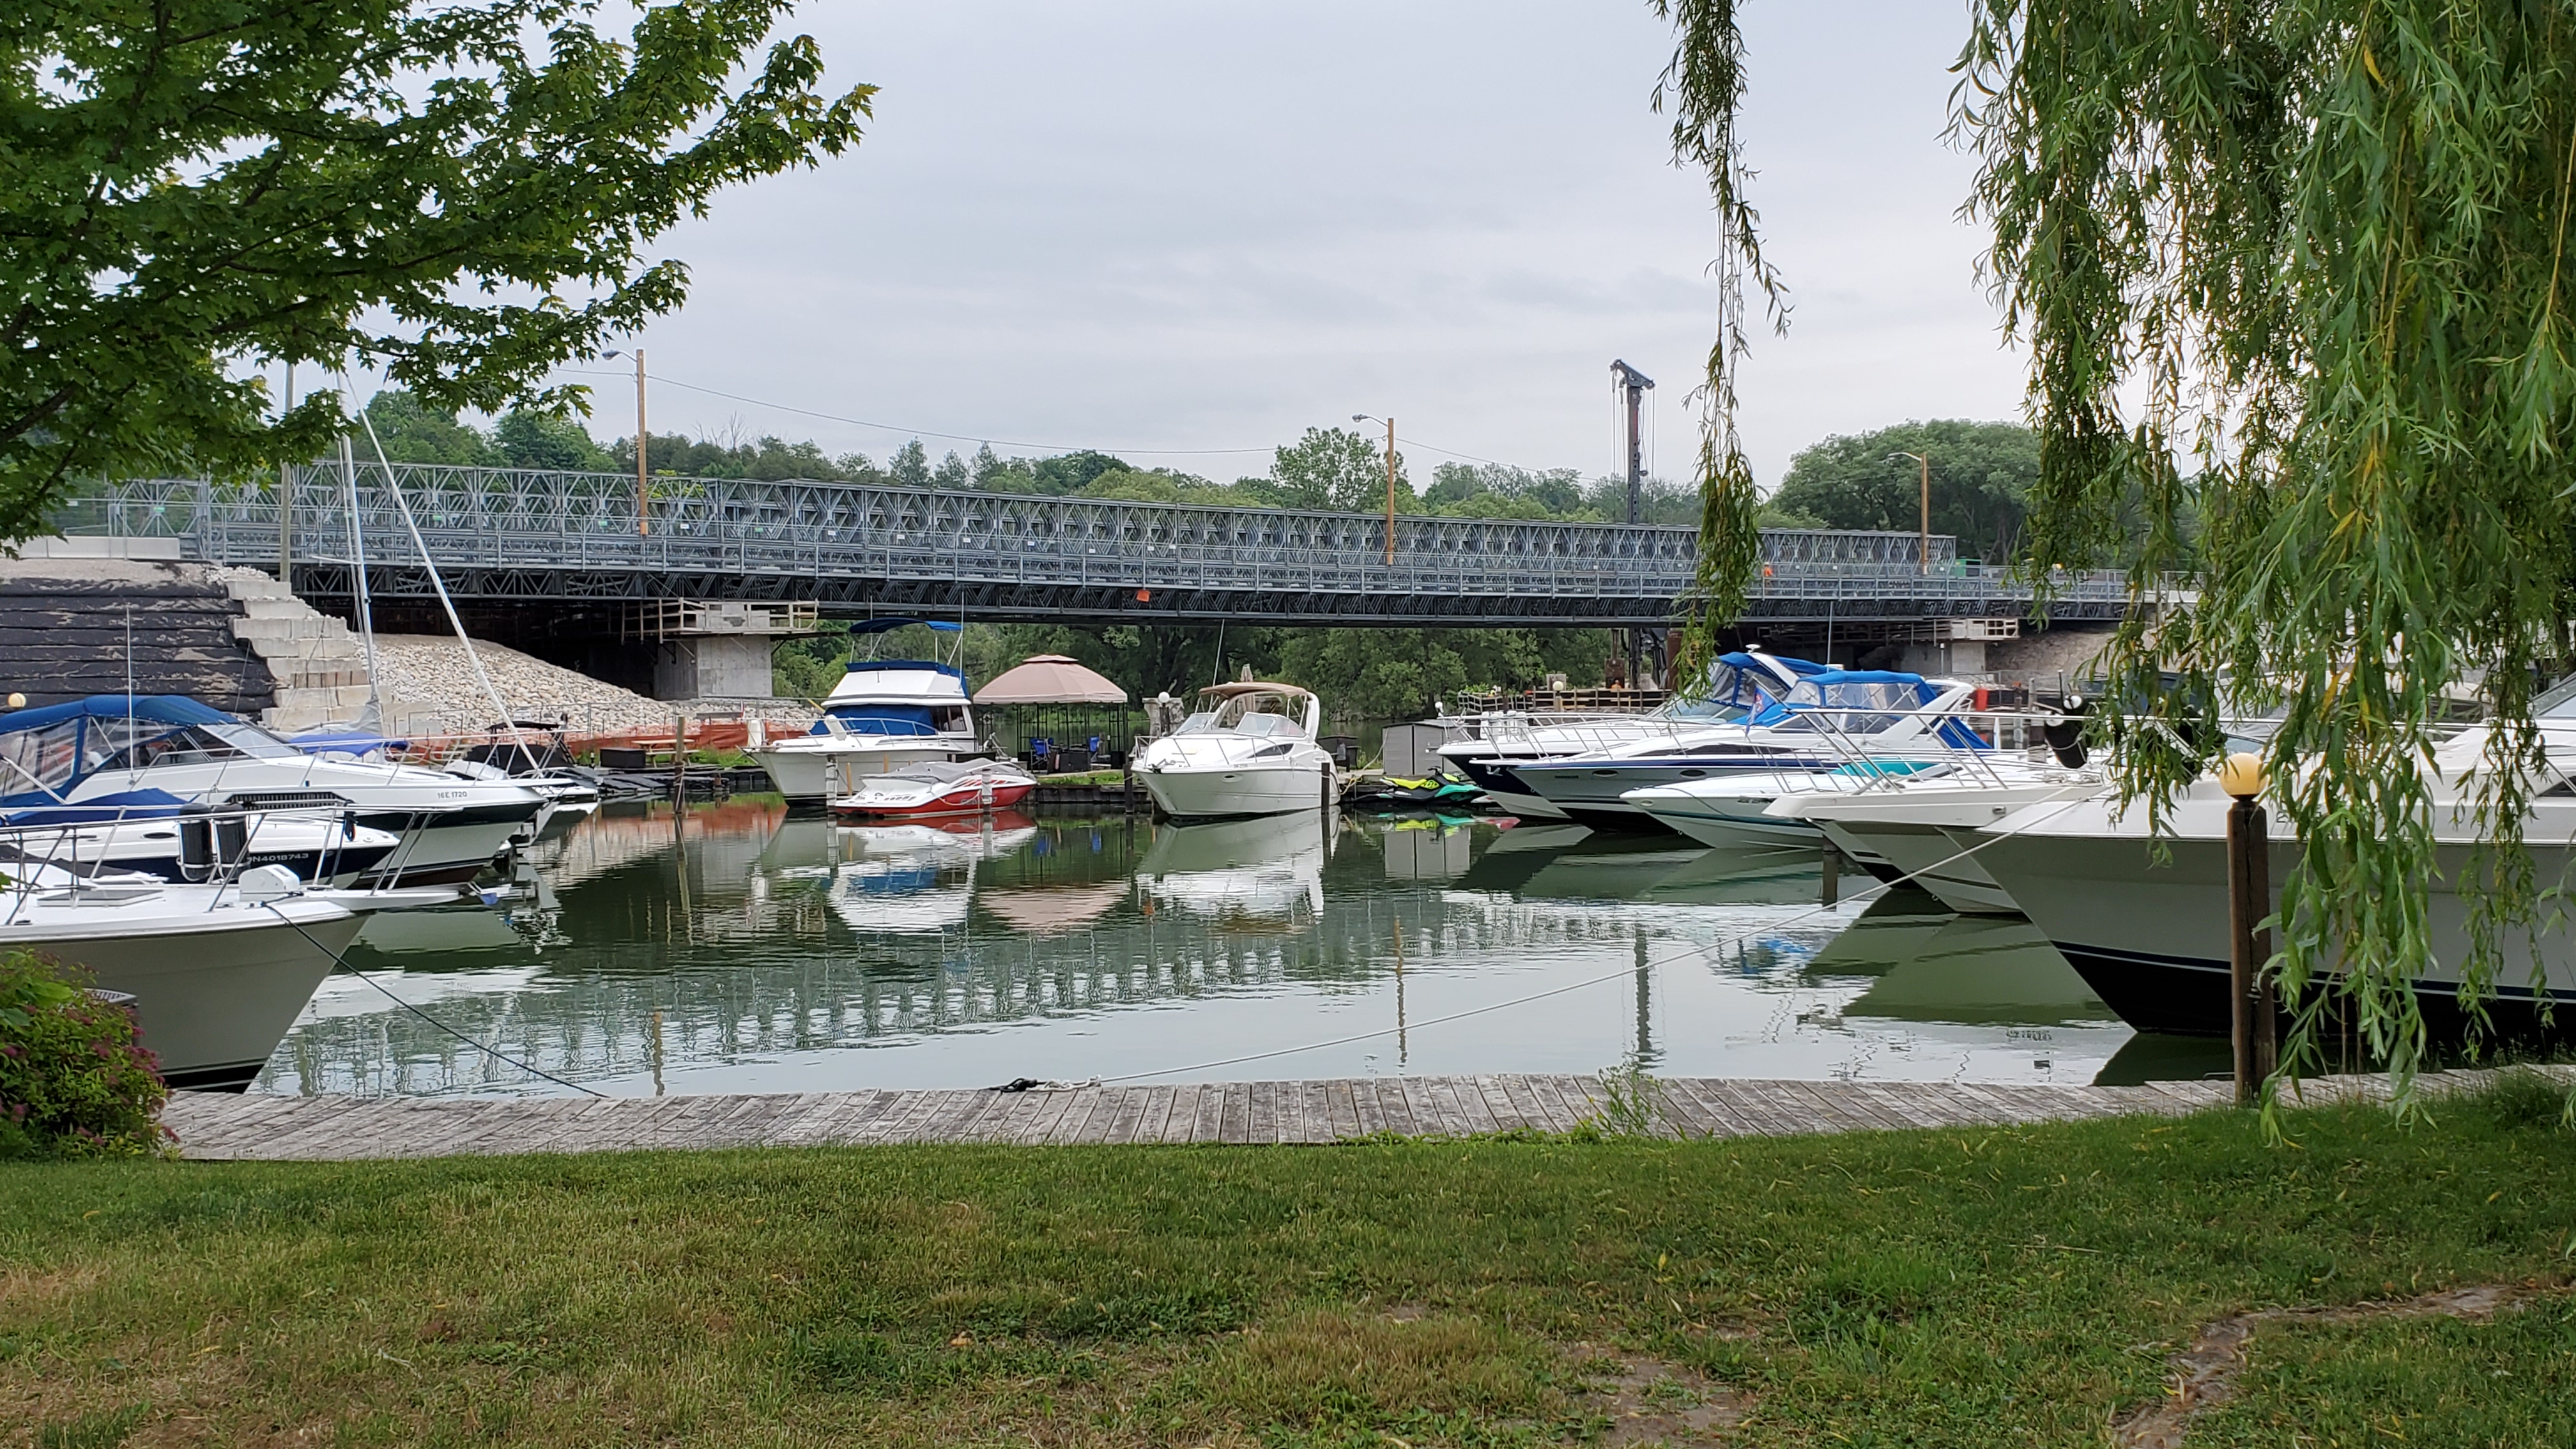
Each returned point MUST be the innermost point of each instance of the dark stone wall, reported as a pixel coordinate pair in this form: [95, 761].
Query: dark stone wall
[63, 638]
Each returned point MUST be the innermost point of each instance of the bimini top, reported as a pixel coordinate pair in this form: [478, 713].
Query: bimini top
[174, 709]
[44, 752]
[1255, 686]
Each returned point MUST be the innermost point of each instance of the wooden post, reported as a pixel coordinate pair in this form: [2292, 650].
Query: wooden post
[2251, 1028]
[1832, 892]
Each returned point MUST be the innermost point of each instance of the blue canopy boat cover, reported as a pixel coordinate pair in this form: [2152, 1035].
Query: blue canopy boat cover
[46, 751]
[343, 742]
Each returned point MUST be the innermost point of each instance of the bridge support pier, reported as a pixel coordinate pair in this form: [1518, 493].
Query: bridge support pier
[716, 666]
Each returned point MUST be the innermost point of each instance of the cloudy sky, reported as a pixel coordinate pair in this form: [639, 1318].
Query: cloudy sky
[1167, 228]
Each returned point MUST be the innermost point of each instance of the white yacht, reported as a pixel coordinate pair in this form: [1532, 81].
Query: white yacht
[883, 715]
[1738, 809]
[112, 745]
[1249, 750]
[1901, 830]
[1826, 721]
[1739, 685]
[157, 834]
[217, 972]
[2150, 937]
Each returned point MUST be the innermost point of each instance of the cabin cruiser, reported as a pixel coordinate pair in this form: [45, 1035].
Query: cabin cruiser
[2151, 937]
[111, 744]
[1739, 809]
[884, 714]
[157, 834]
[1739, 685]
[1249, 750]
[218, 973]
[536, 757]
[1827, 720]
[1899, 831]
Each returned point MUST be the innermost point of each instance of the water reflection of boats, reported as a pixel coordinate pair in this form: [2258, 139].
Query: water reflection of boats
[2154, 1056]
[1266, 869]
[1741, 876]
[917, 878]
[1509, 859]
[1051, 910]
[1983, 969]
[1892, 930]
[443, 931]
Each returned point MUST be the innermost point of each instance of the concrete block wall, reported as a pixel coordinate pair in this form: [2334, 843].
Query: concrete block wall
[319, 666]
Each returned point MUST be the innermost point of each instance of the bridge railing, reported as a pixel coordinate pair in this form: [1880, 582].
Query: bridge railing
[511, 519]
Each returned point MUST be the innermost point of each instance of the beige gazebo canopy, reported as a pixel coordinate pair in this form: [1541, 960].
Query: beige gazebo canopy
[1049, 679]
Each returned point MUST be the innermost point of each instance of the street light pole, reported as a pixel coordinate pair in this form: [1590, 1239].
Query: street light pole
[1390, 481]
[643, 494]
[1390, 492]
[1924, 551]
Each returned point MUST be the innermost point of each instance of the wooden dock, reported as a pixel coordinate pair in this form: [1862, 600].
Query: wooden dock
[320, 1128]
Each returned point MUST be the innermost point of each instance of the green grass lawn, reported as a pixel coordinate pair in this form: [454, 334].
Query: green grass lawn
[1994, 1287]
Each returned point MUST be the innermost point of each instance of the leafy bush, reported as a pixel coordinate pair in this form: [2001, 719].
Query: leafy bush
[73, 1080]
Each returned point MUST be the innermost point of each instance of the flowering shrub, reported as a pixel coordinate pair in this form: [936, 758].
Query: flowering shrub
[73, 1080]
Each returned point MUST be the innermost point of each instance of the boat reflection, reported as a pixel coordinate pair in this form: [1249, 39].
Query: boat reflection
[1265, 873]
[1977, 970]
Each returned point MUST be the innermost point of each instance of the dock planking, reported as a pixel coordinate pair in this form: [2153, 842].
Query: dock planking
[256, 1127]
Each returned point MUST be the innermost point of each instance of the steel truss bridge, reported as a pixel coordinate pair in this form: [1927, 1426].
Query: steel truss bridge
[530, 537]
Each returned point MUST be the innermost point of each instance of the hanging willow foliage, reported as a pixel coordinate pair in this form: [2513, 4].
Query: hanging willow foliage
[1704, 85]
[2319, 249]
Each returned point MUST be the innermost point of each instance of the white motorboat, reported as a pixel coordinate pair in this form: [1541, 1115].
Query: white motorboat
[1740, 685]
[1900, 830]
[931, 790]
[1738, 809]
[1249, 750]
[2151, 938]
[1826, 721]
[157, 834]
[884, 714]
[112, 745]
[218, 973]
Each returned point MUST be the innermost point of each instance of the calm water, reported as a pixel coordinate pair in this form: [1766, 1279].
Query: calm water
[738, 949]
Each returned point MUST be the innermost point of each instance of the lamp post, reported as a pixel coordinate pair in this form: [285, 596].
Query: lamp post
[1925, 553]
[2249, 947]
[643, 513]
[1390, 481]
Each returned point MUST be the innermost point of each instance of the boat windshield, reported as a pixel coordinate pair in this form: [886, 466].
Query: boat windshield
[53, 756]
[1854, 707]
[896, 719]
[1197, 724]
[1269, 716]
[1733, 693]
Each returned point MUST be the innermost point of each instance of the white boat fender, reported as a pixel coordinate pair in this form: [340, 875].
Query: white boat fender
[269, 883]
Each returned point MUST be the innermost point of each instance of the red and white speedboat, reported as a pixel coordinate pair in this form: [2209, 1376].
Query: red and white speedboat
[934, 788]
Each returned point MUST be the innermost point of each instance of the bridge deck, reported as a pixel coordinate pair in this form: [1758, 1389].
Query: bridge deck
[503, 534]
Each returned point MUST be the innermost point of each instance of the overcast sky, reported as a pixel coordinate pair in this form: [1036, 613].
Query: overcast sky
[1159, 225]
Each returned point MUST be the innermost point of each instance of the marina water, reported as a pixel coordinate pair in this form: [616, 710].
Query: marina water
[736, 947]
